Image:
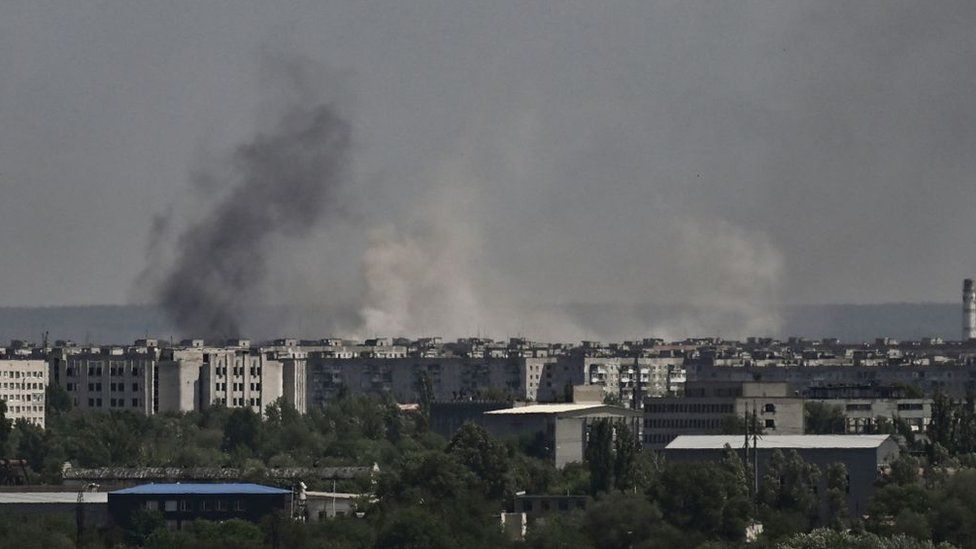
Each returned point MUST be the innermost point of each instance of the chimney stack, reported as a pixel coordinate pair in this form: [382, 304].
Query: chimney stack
[968, 310]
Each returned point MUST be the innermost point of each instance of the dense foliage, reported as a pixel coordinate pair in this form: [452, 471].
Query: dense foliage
[438, 493]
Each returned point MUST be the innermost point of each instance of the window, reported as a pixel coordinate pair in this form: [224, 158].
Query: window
[221, 504]
[186, 505]
[239, 505]
[135, 403]
[770, 408]
[135, 386]
[770, 423]
[206, 505]
[152, 505]
[170, 505]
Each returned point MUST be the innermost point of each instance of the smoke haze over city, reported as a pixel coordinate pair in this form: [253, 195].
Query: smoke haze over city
[497, 168]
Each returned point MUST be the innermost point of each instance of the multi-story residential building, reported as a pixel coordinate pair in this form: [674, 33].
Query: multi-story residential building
[711, 408]
[624, 379]
[195, 377]
[22, 385]
[107, 378]
[865, 407]
[408, 379]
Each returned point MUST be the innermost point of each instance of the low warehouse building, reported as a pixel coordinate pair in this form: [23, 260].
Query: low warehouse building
[182, 503]
[863, 455]
[564, 428]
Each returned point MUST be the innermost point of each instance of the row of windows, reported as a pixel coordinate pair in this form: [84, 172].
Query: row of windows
[19, 374]
[221, 371]
[21, 385]
[96, 371]
[24, 397]
[113, 403]
[185, 505]
[237, 387]
[686, 408]
[711, 423]
[24, 409]
[694, 423]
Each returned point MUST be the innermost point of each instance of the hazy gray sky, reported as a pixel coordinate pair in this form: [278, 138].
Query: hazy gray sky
[508, 153]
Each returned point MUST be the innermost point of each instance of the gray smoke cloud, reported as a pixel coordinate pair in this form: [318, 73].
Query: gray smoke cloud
[279, 187]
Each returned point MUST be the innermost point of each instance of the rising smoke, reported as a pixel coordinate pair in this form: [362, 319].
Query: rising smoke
[279, 186]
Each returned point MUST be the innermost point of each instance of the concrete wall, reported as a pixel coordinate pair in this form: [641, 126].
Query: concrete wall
[178, 385]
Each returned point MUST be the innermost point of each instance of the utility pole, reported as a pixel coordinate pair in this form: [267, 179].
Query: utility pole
[755, 450]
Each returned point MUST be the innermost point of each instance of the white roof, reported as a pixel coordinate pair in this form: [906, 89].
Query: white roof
[8, 498]
[713, 442]
[546, 408]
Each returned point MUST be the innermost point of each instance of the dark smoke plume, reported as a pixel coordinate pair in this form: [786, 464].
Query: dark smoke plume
[281, 184]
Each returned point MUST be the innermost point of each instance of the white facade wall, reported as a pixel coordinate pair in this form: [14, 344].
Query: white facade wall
[22, 385]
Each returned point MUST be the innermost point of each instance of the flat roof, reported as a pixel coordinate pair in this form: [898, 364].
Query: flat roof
[202, 489]
[717, 442]
[546, 408]
[9, 498]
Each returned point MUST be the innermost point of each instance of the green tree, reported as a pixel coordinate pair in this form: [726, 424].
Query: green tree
[242, 430]
[704, 500]
[952, 516]
[942, 427]
[619, 521]
[626, 450]
[486, 458]
[56, 400]
[599, 456]
[788, 501]
[821, 418]
[414, 528]
[825, 538]
[6, 426]
[837, 488]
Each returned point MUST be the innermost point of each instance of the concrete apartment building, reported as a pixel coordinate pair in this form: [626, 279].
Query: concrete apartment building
[865, 406]
[22, 385]
[195, 377]
[107, 378]
[448, 377]
[628, 379]
[191, 376]
[707, 407]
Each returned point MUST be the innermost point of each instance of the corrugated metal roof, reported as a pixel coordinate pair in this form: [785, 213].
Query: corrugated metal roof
[213, 473]
[545, 409]
[201, 489]
[714, 442]
[8, 498]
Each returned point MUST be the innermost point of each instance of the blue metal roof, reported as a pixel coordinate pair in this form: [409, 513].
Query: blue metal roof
[201, 489]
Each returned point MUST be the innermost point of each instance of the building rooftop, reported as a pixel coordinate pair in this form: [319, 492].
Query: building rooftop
[547, 408]
[9, 498]
[201, 489]
[717, 442]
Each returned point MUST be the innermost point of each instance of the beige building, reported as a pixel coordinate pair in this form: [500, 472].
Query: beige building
[22, 384]
[710, 408]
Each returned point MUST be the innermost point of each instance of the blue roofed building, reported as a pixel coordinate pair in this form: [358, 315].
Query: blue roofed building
[183, 503]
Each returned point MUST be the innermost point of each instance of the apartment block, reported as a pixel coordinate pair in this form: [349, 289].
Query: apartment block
[107, 378]
[709, 408]
[22, 385]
